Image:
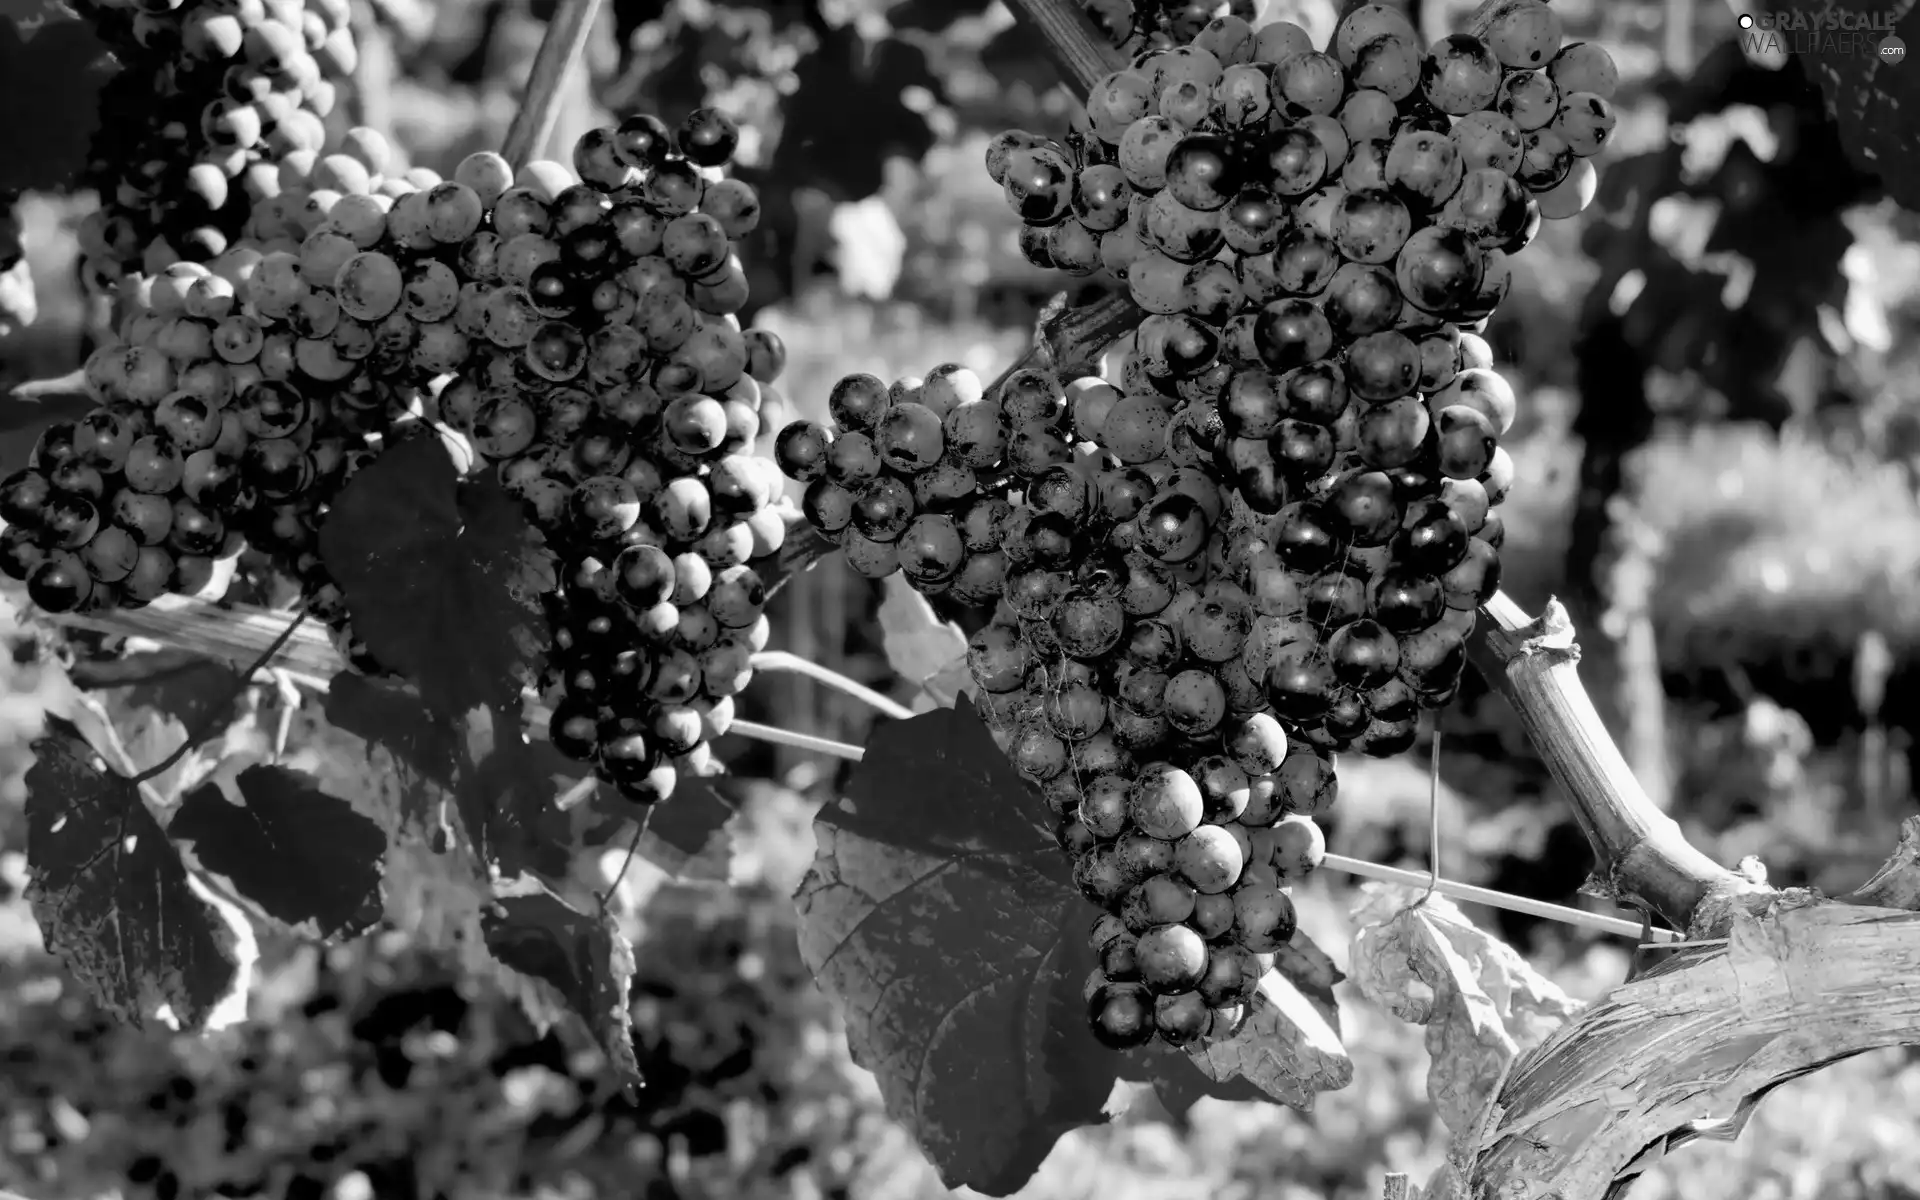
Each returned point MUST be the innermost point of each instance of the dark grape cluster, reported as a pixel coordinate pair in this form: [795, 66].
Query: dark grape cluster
[912, 476]
[1266, 539]
[1111, 670]
[575, 327]
[212, 97]
[239, 397]
[606, 381]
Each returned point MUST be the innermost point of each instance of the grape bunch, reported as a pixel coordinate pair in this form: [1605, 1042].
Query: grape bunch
[212, 96]
[1252, 151]
[240, 395]
[1313, 237]
[1265, 540]
[606, 381]
[1111, 670]
[910, 476]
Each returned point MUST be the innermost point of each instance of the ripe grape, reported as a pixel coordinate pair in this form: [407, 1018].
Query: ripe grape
[1461, 75]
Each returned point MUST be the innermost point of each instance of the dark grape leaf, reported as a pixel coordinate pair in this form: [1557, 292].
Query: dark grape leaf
[1066, 1070]
[386, 712]
[50, 81]
[443, 578]
[936, 912]
[1873, 99]
[507, 801]
[926, 784]
[585, 957]
[304, 856]
[115, 902]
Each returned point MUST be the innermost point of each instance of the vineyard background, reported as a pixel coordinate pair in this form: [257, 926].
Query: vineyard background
[1720, 473]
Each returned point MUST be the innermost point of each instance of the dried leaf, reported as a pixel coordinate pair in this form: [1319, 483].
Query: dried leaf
[1481, 1002]
[921, 648]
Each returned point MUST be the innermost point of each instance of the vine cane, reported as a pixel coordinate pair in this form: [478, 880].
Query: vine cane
[562, 46]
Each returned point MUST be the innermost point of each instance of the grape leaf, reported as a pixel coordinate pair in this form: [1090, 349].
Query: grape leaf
[1872, 98]
[1481, 1002]
[935, 912]
[507, 802]
[586, 958]
[304, 856]
[930, 783]
[921, 648]
[443, 578]
[386, 712]
[55, 75]
[115, 902]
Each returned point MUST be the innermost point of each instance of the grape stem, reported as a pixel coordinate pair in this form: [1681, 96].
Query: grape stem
[800, 741]
[563, 45]
[1644, 859]
[781, 660]
[1465, 892]
[633, 847]
[1072, 40]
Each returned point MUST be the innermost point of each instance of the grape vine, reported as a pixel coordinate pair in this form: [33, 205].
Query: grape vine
[496, 431]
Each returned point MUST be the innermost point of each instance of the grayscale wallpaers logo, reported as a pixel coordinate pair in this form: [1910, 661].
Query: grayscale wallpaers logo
[1791, 31]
